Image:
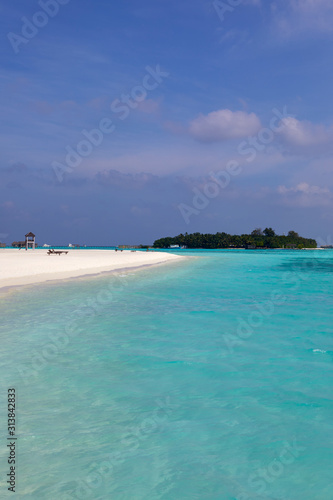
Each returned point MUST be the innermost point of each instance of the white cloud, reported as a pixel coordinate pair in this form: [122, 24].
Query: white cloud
[303, 17]
[149, 106]
[219, 126]
[304, 188]
[311, 5]
[7, 205]
[305, 134]
[305, 195]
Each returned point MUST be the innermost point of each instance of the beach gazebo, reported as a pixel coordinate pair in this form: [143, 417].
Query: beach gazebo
[30, 241]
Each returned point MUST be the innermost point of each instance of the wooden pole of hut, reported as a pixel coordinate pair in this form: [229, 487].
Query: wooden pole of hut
[30, 241]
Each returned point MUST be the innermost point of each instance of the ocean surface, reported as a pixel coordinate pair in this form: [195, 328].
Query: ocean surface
[209, 379]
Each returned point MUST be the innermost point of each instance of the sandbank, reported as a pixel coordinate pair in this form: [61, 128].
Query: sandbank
[21, 267]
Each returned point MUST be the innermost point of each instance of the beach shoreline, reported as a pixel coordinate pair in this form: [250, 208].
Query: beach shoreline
[20, 268]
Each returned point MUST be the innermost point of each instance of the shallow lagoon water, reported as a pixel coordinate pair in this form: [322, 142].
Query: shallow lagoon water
[206, 379]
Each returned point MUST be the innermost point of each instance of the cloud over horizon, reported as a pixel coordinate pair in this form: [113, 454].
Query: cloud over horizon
[224, 124]
[225, 79]
[303, 17]
[305, 134]
[306, 195]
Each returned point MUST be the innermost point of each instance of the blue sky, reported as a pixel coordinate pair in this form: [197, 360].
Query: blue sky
[181, 89]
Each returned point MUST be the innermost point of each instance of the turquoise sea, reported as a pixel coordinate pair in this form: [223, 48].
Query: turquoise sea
[209, 379]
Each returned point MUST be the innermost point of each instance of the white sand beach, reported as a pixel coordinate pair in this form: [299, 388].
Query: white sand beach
[20, 267]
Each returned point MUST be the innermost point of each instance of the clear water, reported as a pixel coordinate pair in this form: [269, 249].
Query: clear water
[206, 379]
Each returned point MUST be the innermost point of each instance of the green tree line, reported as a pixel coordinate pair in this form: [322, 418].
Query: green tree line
[257, 239]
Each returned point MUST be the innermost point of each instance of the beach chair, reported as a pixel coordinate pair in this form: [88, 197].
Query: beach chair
[56, 252]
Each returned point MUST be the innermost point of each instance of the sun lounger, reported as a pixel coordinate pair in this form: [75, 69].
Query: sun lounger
[55, 252]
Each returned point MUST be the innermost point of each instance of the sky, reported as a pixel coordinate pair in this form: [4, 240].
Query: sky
[124, 122]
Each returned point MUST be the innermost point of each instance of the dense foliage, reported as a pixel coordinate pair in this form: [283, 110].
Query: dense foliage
[257, 239]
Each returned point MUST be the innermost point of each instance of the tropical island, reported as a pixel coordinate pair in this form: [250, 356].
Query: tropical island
[258, 239]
